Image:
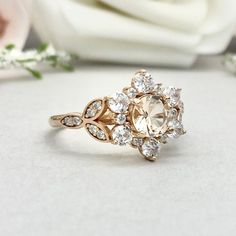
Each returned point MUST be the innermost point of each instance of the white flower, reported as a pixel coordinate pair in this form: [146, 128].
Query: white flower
[14, 23]
[167, 32]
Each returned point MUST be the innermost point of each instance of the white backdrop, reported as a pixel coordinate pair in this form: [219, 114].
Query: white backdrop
[64, 183]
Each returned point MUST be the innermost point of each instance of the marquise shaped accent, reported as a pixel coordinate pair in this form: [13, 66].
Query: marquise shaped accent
[94, 109]
[98, 131]
[72, 121]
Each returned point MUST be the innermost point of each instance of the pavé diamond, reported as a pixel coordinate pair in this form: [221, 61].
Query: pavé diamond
[77, 120]
[136, 141]
[149, 115]
[97, 105]
[93, 109]
[120, 119]
[101, 135]
[119, 103]
[91, 112]
[150, 148]
[93, 129]
[131, 92]
[143, 82]
[72, 121]
[121, 135]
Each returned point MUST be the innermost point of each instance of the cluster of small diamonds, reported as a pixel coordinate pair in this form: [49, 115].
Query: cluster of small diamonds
[143, 83]
[72, 121]
[93, 109]
[96, 132]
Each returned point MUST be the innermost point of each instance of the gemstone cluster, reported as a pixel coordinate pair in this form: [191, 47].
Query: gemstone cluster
[72, 121]
[144, 115]
[151, 113]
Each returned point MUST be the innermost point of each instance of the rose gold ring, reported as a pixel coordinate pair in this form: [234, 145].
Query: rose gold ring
[144, 115]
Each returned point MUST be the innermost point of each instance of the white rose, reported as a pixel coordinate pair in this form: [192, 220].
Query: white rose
[14, 23]
[167, 32]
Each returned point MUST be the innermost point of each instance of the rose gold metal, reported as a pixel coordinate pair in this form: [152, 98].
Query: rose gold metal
[104, 119]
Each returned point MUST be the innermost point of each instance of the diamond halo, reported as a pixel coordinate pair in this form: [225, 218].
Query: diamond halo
[144, 115]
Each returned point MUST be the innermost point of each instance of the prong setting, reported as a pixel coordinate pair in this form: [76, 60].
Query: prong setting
[144, 115]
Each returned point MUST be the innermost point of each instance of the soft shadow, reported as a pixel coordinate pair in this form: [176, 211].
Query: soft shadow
[52, 140]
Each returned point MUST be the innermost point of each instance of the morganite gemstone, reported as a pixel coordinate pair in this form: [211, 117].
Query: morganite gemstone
[148, 115]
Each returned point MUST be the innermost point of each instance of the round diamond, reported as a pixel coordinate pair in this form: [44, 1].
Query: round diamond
[143, 82]
[77, 120]
[101, 135]
[149, 115]
[91, 112]
[136, 141]
[119, 103]
[93, 129]
[72, 121]
[131, 92]
[97, 105]
[120, 119]
[150, 148]
[121, 135]
[172, 94]
[175, 129]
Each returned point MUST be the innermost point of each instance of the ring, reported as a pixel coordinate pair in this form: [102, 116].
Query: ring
[144, 115]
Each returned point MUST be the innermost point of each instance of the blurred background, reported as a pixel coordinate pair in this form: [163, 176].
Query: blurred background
[63, 183]
[169, 33]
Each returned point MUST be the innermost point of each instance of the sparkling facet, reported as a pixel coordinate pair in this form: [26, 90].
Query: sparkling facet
[101, 135]
[77, 120]
[119, 103]
[136, 141]
[72, 121]
[149, 115]
[91, 112]
[175, 129]
[121, 135]
[93, 129]
[143, 82]
[120, 119]
[150, 148]
[131, 92]
[172, 95]
[97, 105]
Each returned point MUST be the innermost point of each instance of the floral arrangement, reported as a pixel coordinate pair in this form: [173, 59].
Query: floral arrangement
[169, 33]
[11, 57]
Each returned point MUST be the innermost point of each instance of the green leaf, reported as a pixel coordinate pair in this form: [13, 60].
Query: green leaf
[43, 47]
[53, 58]
[67, 67]
[35, 73]
[25, 60]
[74, 57]
[10, 46]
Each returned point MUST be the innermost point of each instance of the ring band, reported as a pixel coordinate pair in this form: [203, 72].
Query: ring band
[144, 115]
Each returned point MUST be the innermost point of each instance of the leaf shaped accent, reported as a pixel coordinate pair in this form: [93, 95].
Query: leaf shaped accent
[72, 121]
[94, 109]
[98, 131]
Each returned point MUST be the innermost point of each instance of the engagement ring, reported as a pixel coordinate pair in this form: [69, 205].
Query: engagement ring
[144, 115]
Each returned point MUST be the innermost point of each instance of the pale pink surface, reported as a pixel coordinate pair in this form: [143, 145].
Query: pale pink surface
[14, 23]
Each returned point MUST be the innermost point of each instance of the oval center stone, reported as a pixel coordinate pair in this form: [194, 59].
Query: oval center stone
[149, 115]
